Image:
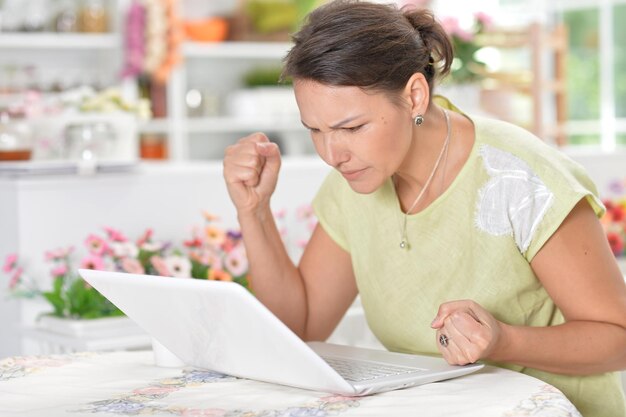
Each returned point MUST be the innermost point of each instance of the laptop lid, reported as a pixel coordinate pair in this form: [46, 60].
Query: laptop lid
[221, 326]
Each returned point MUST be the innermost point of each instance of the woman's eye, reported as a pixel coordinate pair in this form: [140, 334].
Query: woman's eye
[353, 129]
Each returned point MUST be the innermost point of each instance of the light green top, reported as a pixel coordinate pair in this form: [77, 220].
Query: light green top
[474, 242]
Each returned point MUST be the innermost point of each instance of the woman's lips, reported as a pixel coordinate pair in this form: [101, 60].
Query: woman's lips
[353, 174]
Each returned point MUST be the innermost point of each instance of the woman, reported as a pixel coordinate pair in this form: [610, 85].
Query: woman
[470, 226]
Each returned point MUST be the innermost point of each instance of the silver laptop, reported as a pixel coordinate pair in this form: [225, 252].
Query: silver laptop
[222, 327]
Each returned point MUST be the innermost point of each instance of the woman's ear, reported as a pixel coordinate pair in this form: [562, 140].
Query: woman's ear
[419, 92]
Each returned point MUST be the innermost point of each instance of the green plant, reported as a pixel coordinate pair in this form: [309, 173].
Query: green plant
[466, 68]
[270, 16]
[212, 253]
[264, 76]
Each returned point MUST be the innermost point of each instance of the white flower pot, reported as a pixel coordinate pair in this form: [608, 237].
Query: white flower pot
[90, 328]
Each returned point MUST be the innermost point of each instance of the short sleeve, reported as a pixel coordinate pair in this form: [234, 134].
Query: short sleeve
[569, 183]
[329, 209]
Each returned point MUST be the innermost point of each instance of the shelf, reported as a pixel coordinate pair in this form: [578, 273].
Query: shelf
[222, 124]
[238, 125]
[154, 126]
[72, 41]
[237, 50]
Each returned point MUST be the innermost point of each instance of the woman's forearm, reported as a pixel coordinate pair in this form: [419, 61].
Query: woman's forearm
[574, 348]
[274, 278]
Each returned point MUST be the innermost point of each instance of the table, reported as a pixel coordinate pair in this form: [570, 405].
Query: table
[128, 383]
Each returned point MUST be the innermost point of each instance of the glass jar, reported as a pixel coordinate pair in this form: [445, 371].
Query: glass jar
[66, 17]
[153, 146]
[15, 139]
[89, 141]
[93, 17]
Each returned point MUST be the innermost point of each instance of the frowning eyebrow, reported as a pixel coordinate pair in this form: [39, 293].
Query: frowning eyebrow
[339, 124]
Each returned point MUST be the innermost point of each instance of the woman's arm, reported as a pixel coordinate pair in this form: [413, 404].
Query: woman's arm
[309, 299]
[580, 274]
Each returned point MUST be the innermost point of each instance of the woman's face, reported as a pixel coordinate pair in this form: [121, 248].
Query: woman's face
[363, 135]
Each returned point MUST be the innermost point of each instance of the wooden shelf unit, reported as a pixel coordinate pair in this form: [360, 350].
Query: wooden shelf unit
[548, 49]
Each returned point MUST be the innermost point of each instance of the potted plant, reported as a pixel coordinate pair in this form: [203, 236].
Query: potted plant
[78, 310]
[463, 83]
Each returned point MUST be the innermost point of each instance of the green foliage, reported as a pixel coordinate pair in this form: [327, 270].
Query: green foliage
[583, 66]
[264, 76]
[72, 297]
[270, 16]
[619, 38]
[199, 270]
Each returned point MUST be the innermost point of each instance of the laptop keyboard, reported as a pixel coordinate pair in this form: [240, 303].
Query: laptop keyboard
[358, 371]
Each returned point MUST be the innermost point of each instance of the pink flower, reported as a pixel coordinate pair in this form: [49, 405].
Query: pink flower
[59, 253]
[452, 27]
[146, 237]
[450, 24]
[115, 235]
[92, 262]
[15, 278]
[10, 262]
[464, 35]
[96, 245]
[160, 266]
[132, 266]
[483, 19]
[208, 257]
[236, 262]
[59, 271]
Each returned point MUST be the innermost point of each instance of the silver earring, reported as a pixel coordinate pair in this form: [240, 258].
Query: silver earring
[418, 120]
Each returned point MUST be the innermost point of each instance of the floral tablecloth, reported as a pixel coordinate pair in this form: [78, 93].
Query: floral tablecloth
[129, 384]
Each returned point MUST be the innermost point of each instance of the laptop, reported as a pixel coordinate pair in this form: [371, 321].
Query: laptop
[220, 326]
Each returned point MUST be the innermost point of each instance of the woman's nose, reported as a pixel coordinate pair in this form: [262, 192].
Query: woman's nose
[335, 151]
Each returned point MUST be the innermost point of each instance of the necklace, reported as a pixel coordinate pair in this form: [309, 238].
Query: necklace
[404, 242]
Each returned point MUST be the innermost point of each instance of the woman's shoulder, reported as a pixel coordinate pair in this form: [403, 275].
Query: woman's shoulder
[495, 136]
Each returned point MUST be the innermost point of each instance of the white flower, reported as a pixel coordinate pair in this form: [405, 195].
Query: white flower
[124, 249]
[179, 266]
[152, 246]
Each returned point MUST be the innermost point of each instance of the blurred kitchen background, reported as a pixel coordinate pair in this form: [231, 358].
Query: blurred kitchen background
[117, 112]
[127, 80]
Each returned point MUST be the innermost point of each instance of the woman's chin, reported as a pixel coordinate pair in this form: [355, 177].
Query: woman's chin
[364, 187]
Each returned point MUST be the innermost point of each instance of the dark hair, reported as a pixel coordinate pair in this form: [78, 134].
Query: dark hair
[373, 46]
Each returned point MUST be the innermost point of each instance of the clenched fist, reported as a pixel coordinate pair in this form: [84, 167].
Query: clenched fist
[251, 169]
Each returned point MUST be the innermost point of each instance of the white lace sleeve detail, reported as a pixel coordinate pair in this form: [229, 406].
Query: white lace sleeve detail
[514, 200]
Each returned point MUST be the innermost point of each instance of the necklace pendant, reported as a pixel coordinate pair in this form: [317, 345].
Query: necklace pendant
[403, 244]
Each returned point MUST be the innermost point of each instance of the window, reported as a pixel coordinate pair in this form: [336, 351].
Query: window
[619, 47]
[596, 67]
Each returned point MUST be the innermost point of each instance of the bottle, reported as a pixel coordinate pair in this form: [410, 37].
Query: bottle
[15, 139]
[93, 17]
[66, 18]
